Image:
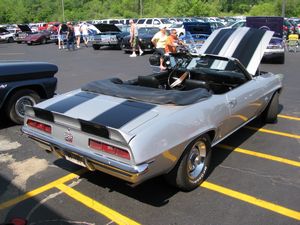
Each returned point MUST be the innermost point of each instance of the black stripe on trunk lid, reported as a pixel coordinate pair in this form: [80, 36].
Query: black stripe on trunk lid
[71, 102]
[43, 114]
[121, 114]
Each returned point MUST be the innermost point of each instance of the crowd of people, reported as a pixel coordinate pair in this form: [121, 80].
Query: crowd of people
[74, 33]
[163, 43]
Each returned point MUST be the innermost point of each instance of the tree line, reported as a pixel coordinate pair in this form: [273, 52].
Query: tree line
[25, 11]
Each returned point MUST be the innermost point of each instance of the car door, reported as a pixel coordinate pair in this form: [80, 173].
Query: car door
[244, 103]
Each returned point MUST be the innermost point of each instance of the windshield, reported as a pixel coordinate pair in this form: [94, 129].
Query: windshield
[176, 25]
[148, 31]
[209, 63]
[165, 21]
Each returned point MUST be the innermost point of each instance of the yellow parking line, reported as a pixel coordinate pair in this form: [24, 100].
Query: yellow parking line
[98, 207]
[274, 132]
[261, 155]
[41, 189]
[252, 200]
[289, 117]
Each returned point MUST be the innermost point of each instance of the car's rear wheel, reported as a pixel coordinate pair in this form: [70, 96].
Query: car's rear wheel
[15, 109]
[44, 41]
[271, 112]
[10, 40]
[192, 168]
[96, 47]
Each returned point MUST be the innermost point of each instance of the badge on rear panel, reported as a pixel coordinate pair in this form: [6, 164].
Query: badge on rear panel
[68, 136]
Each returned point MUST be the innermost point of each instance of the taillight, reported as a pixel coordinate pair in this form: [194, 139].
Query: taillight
[97, 145]
[40, 126]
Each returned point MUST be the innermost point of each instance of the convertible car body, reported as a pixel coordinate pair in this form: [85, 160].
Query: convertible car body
[163, 123]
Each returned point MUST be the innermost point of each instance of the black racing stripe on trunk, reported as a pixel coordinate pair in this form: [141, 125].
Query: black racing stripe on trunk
[94, 129]
[121, 114]
[248, 45]
[219, 41]
[43, 114]
[71, 102]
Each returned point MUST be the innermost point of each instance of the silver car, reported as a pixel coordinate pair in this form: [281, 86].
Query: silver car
[164, 123]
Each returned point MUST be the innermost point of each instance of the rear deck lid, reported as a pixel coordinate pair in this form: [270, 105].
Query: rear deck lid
[245, 44]
[102, 110]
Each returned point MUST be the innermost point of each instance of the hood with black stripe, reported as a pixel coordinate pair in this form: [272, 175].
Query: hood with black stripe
[245, 44]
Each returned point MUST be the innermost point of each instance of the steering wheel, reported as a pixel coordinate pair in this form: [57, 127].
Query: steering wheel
[176, 81]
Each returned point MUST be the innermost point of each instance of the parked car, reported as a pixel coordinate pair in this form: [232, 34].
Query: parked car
[236, 24]
[196, 32]
[6, 36]
[24, 83]
[153, 22]
[145, 36]
[109, 35]
[25, 31]
[288, 28]
[41, 37]
[164, 123]
[276, 48]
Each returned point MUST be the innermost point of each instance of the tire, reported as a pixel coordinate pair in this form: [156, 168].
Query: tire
[271, 112]
[96, 47]
[281, 59]
[44, 41]
[10, 40]
[19, 42]
[15, 106]
[192, 168]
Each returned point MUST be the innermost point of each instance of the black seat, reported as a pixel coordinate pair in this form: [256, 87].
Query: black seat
[192, 84]
[148, 81]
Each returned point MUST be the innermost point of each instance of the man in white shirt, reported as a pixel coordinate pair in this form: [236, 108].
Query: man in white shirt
[85, 33]
[159, 41]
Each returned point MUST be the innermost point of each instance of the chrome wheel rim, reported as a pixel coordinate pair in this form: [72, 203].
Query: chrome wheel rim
[196, 160]
[20, 105]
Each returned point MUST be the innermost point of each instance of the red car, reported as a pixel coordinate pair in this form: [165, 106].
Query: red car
[41, 37]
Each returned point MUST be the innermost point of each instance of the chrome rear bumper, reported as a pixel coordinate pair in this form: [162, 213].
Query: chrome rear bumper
[130, 173]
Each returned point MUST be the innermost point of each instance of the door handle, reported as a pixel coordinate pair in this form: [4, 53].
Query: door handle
[232, 102]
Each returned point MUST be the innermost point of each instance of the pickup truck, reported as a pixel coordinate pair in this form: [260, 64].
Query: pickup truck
[24, 83]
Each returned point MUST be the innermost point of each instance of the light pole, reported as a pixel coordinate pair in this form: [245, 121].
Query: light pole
[141, 8]
[283, 8]
[63, 10]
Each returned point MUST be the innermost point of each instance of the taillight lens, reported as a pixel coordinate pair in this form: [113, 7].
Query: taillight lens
[40, 126]
[97, 145]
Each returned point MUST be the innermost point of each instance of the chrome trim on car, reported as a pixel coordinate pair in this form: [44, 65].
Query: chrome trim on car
[124, 171]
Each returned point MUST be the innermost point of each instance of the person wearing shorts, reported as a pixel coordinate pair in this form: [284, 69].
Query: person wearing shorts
[159, 41]
[60, 37]
[85, 33]
[134, 40]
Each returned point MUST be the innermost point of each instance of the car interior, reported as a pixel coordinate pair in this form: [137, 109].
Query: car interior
[218, 82]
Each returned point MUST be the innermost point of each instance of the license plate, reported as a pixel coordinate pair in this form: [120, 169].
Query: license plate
[75, 159]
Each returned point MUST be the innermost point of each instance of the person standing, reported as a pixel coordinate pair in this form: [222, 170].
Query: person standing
[60, 37]
[134, 39]
[77, 34]
[159, 41]
[70, 36]
[85, 33]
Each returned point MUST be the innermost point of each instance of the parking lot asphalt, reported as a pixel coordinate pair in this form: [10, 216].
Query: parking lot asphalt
[255, 176]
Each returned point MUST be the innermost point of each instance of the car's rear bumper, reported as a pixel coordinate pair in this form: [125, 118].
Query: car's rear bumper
[130, 173]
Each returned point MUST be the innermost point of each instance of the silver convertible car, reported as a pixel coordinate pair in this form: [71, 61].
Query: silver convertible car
[164, 123]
